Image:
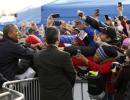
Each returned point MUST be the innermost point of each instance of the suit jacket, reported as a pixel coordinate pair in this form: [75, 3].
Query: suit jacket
[56, 74]
[10, 53]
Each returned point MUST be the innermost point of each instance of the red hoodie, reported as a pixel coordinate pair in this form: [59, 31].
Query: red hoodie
[104, 69]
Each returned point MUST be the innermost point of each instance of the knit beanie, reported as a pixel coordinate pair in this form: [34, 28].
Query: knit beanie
[106, 52]
[126, 42]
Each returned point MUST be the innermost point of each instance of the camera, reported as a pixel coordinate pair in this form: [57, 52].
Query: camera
[116, 66]
[121, 59]
[57, 23]
[77, 30]
[82, 73]
[119, 4]
[121, 18]
[78, 52]
[55, 15]
[97, 12]
[107, 17]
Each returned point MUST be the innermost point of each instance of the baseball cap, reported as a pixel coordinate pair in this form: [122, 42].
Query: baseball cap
[111, 32]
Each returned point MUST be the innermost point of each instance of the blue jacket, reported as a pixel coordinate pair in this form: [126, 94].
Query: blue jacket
[67, 38]
[90, 30]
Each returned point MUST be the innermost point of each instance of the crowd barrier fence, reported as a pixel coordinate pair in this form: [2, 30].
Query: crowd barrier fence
[31, 90]
[9, 94]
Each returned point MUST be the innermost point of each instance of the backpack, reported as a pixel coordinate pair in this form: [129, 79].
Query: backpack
[96, 84]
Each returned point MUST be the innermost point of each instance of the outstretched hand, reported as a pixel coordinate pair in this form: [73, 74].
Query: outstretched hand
[82, 58]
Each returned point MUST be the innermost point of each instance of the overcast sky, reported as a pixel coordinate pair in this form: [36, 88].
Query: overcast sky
[11, 6]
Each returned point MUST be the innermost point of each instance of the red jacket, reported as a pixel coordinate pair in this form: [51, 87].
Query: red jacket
[104, 69]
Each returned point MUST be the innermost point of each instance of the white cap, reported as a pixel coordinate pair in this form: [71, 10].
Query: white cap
[79, 11]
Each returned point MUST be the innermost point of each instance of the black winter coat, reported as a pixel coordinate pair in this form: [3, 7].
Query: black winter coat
[122, 82]
[10, 53]
[56, 74]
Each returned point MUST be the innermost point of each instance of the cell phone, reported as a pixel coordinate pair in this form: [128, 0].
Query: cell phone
[119, 4]
[78, 51]
[115, 23]
[57, 23]
[97, 10]
[55, 15]
[77, 30]
[106, 17]
[115, 18]
[121, 18]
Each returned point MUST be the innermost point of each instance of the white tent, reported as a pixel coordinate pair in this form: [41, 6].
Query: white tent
[7, 19]
[32, 12]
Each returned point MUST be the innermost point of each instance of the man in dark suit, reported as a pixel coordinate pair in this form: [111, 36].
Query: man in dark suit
[55, 70]
[11, 52]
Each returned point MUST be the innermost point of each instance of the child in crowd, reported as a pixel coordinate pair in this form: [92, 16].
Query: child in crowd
[100, 62]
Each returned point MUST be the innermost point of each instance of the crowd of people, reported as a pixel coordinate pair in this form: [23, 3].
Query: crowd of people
[59, 50]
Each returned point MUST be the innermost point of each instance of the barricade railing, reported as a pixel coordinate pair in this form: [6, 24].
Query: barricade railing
[5, 96]
[31, 90]
[8, 94]
[28, 87]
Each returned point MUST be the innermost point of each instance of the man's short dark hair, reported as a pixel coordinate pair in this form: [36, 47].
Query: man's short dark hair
[52, 35]
[7, 29]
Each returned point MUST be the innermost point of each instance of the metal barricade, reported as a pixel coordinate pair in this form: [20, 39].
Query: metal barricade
[8, 94]
[81, 90]
[5, 96]
[31, 90]
[29, 87]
